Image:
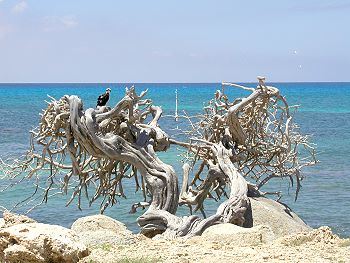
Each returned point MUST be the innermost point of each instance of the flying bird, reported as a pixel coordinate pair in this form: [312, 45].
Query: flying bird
[103, 98]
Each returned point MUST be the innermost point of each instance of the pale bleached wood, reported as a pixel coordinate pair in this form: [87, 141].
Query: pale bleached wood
[253, 136]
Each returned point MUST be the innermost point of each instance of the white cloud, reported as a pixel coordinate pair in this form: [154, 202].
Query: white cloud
[4, 30]
[158, 53]
[321, 6]
[20, 7]
[56, 23]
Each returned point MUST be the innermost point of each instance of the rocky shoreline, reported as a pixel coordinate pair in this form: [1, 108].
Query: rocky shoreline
[278, 235]
[317, 246]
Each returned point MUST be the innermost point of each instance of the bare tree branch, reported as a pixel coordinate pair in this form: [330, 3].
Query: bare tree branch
[89, 154]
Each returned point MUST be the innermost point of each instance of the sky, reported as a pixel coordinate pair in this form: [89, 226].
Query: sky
[174, 41]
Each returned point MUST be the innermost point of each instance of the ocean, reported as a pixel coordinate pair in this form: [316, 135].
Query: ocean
[324, 112]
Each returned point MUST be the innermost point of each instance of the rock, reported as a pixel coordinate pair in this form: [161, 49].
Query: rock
[12, 219]
[19, 253]
[232, 234]
[323, 234]
[2, 223]
[100, 230]
[279, 217]
[36, 242]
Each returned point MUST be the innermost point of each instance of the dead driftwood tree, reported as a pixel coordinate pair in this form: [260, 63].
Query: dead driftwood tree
[251, 138]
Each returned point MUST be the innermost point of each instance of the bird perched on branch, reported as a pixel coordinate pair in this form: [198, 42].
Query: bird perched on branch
[103, 98]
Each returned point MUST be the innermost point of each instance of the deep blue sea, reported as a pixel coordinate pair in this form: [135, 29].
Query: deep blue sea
[324, 112]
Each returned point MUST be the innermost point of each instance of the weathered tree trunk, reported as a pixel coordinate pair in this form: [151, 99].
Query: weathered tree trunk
[253, 136]
[160, 178]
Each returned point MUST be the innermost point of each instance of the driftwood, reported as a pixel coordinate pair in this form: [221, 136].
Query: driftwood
[251, 138]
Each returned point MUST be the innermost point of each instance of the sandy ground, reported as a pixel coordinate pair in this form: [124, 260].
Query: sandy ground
[319, 246]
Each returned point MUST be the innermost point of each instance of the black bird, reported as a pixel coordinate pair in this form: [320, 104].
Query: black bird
[103, 98]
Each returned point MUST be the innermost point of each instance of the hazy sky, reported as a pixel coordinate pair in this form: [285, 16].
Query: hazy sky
[174, 41]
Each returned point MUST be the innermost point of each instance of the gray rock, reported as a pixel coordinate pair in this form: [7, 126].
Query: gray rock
[38, 243]
[270, 220]
[279, 217]
[232, 234]
[100, 230]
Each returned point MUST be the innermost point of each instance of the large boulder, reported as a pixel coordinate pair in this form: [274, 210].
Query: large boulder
[39, 243]
[100, 230]
[269, 220]
[278, 216]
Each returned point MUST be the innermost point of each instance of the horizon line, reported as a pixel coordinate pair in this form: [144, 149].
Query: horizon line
[249, 82]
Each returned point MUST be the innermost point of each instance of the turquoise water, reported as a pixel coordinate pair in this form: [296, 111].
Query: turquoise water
[325, 112]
